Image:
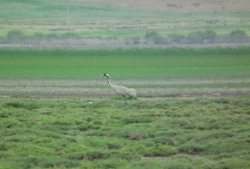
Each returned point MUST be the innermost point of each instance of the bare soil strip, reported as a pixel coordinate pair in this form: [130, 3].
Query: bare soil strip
[111, 43]
[99, 88]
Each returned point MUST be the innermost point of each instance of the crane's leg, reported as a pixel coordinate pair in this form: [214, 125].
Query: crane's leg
[125, 101]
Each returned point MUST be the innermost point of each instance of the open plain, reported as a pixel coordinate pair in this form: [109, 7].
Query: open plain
[192, 110]
[189, 62]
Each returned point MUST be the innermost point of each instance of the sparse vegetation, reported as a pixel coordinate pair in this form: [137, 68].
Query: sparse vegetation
[150, 37]
[237, 34]
[154, 37]
[46, 20]
[15, 35]
[199, 37]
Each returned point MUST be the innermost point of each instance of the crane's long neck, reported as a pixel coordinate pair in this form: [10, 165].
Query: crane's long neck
[108, 80]
[109, 83]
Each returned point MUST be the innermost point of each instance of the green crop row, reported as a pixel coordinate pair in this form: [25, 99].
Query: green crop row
[126, 63]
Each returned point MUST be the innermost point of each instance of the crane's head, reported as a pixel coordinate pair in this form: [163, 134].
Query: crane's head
[106, 74]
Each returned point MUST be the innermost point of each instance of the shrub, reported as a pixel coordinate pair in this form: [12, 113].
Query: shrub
[199, 36]
[38, 35]
[15, 35]
[53, 36]
[176, 37]
[237, 34]
[210, 35]
[153, 36]
[69, 35]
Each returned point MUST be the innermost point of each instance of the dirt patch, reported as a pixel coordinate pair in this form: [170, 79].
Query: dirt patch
[99, 88]
[110, 43]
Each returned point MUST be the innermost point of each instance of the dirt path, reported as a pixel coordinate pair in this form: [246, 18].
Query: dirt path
[110, 43]
[146, 88]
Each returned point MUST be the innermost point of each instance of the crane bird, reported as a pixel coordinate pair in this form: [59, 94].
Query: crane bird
[121, 90]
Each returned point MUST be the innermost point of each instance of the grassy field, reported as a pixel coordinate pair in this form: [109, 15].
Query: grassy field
[120, 19]
[56, 110]
[193, 105]
[153, 72]
[174, 63]
[198, 133]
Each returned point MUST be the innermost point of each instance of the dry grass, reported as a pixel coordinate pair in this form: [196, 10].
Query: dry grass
[179, 5]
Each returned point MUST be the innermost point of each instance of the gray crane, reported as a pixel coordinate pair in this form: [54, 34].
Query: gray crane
[121, 90]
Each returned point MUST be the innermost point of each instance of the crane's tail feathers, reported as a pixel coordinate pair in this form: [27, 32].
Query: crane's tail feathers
[132, 93]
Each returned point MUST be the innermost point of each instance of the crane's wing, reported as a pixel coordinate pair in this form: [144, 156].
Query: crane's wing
[123, 90]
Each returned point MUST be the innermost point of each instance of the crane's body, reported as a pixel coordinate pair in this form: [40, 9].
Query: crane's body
[121, 90]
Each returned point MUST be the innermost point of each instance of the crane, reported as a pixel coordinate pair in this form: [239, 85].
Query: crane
[121, 90]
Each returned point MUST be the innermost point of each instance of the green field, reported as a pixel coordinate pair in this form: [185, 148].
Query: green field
[57, 112]
[172, 63]
[192, 109]
[120, 19]
[172, 133]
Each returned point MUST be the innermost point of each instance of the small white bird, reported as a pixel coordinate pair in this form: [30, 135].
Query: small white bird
[121, 90]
